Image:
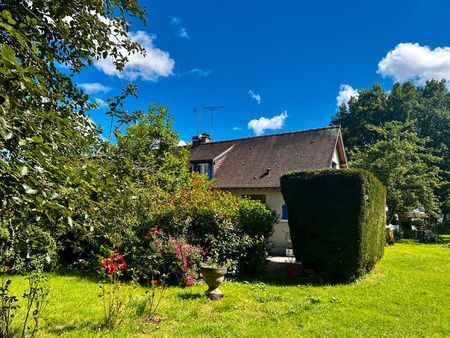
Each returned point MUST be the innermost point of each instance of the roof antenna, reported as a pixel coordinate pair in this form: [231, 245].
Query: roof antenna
[198, 111]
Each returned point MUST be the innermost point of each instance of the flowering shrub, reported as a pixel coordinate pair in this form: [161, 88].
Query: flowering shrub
[115, 300]
[224, 225]
[113, 264]
[168, 260]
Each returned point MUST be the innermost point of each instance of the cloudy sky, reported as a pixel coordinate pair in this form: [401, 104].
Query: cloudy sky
[275, 66]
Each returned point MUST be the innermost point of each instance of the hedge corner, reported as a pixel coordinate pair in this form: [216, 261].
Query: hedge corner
[337, 220]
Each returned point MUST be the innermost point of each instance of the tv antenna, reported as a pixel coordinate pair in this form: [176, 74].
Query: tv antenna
[199, 110]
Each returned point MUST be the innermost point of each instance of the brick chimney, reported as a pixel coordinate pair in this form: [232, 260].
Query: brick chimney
[201, 138]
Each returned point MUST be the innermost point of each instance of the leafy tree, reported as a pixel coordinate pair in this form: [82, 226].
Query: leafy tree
[129, 178]
[366, 109]
[402, 161]
[45, 134]
[428, 106]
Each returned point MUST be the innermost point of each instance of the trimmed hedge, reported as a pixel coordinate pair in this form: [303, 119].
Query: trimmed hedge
[337, 220]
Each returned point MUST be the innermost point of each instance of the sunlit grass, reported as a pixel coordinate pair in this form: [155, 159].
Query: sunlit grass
[406, 295]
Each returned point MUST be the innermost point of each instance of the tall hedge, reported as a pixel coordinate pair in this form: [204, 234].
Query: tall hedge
[337, 220]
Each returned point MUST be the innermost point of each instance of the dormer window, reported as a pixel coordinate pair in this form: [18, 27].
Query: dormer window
[204, 168]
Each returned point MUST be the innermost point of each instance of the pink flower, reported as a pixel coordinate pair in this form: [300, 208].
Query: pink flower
[190, 281]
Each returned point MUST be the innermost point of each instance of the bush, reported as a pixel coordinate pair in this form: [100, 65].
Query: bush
[256, 219]
[27, 249]
[337, 220]
[222, 224]
[168, 260]
[398, 235]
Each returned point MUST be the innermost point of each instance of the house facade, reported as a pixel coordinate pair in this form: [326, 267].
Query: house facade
[253, 166]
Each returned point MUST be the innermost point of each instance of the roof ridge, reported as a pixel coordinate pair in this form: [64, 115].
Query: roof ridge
[279, 134]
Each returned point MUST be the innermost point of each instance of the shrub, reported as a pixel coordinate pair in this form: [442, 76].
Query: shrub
[256, 219]
[337, 220]
[398, 235]
[115, 300]
[164, 259]
[222, 224]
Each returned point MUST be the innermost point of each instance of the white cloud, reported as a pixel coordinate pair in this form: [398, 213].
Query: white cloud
[174, 20]
[198, 71]
[410, 61]
[254, 96]
[260, 125]
[94, 87]
[237, 128]
[345, 93]
[182, 33]
[152, 65]
[100, 103]
[181, 143]
[180, 30]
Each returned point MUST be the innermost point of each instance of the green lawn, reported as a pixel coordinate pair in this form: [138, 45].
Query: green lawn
[406, 295]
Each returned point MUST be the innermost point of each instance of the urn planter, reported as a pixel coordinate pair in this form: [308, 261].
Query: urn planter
[213, 277]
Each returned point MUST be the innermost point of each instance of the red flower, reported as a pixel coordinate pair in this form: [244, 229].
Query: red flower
[114, 263]
[154, 282]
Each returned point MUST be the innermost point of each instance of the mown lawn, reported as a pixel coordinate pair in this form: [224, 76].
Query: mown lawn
[407, 294]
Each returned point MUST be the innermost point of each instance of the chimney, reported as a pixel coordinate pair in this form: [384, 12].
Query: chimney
[201, 138]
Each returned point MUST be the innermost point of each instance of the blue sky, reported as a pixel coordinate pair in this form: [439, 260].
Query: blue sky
[284, 61]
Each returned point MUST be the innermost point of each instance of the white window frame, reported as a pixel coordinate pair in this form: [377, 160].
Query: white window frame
[202, 168]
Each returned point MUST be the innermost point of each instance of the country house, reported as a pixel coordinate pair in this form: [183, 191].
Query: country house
[252, 166]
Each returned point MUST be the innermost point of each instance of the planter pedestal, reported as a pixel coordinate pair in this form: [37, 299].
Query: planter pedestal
[213, 278]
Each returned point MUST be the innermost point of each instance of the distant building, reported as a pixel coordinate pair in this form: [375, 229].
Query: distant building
[252, 166]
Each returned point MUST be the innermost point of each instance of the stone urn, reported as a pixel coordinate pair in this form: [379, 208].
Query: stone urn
[213, 278]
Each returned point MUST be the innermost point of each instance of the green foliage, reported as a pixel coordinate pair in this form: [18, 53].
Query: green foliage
[402, 161]
[163, 259]
[337, 220]
[364, 123]
[212, 220]
[37, 300]
[46, 135]
[9, 307]
[256, 218]
[130, 178]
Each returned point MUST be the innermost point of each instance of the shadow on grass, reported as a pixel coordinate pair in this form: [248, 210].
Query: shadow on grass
[91, 326]
[443, 239]
[90, 276]
[189, 296]
[280, 280]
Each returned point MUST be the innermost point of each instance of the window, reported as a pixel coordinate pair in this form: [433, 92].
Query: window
[203, 168]
[334, 165]
[284, 212]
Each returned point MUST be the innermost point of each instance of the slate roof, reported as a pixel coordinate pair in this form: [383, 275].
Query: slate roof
[243, 163]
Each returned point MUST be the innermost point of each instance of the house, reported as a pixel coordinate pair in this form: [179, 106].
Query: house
[252, 166]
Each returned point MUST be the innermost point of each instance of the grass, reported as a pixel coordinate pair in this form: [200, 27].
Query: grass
[407, 294]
